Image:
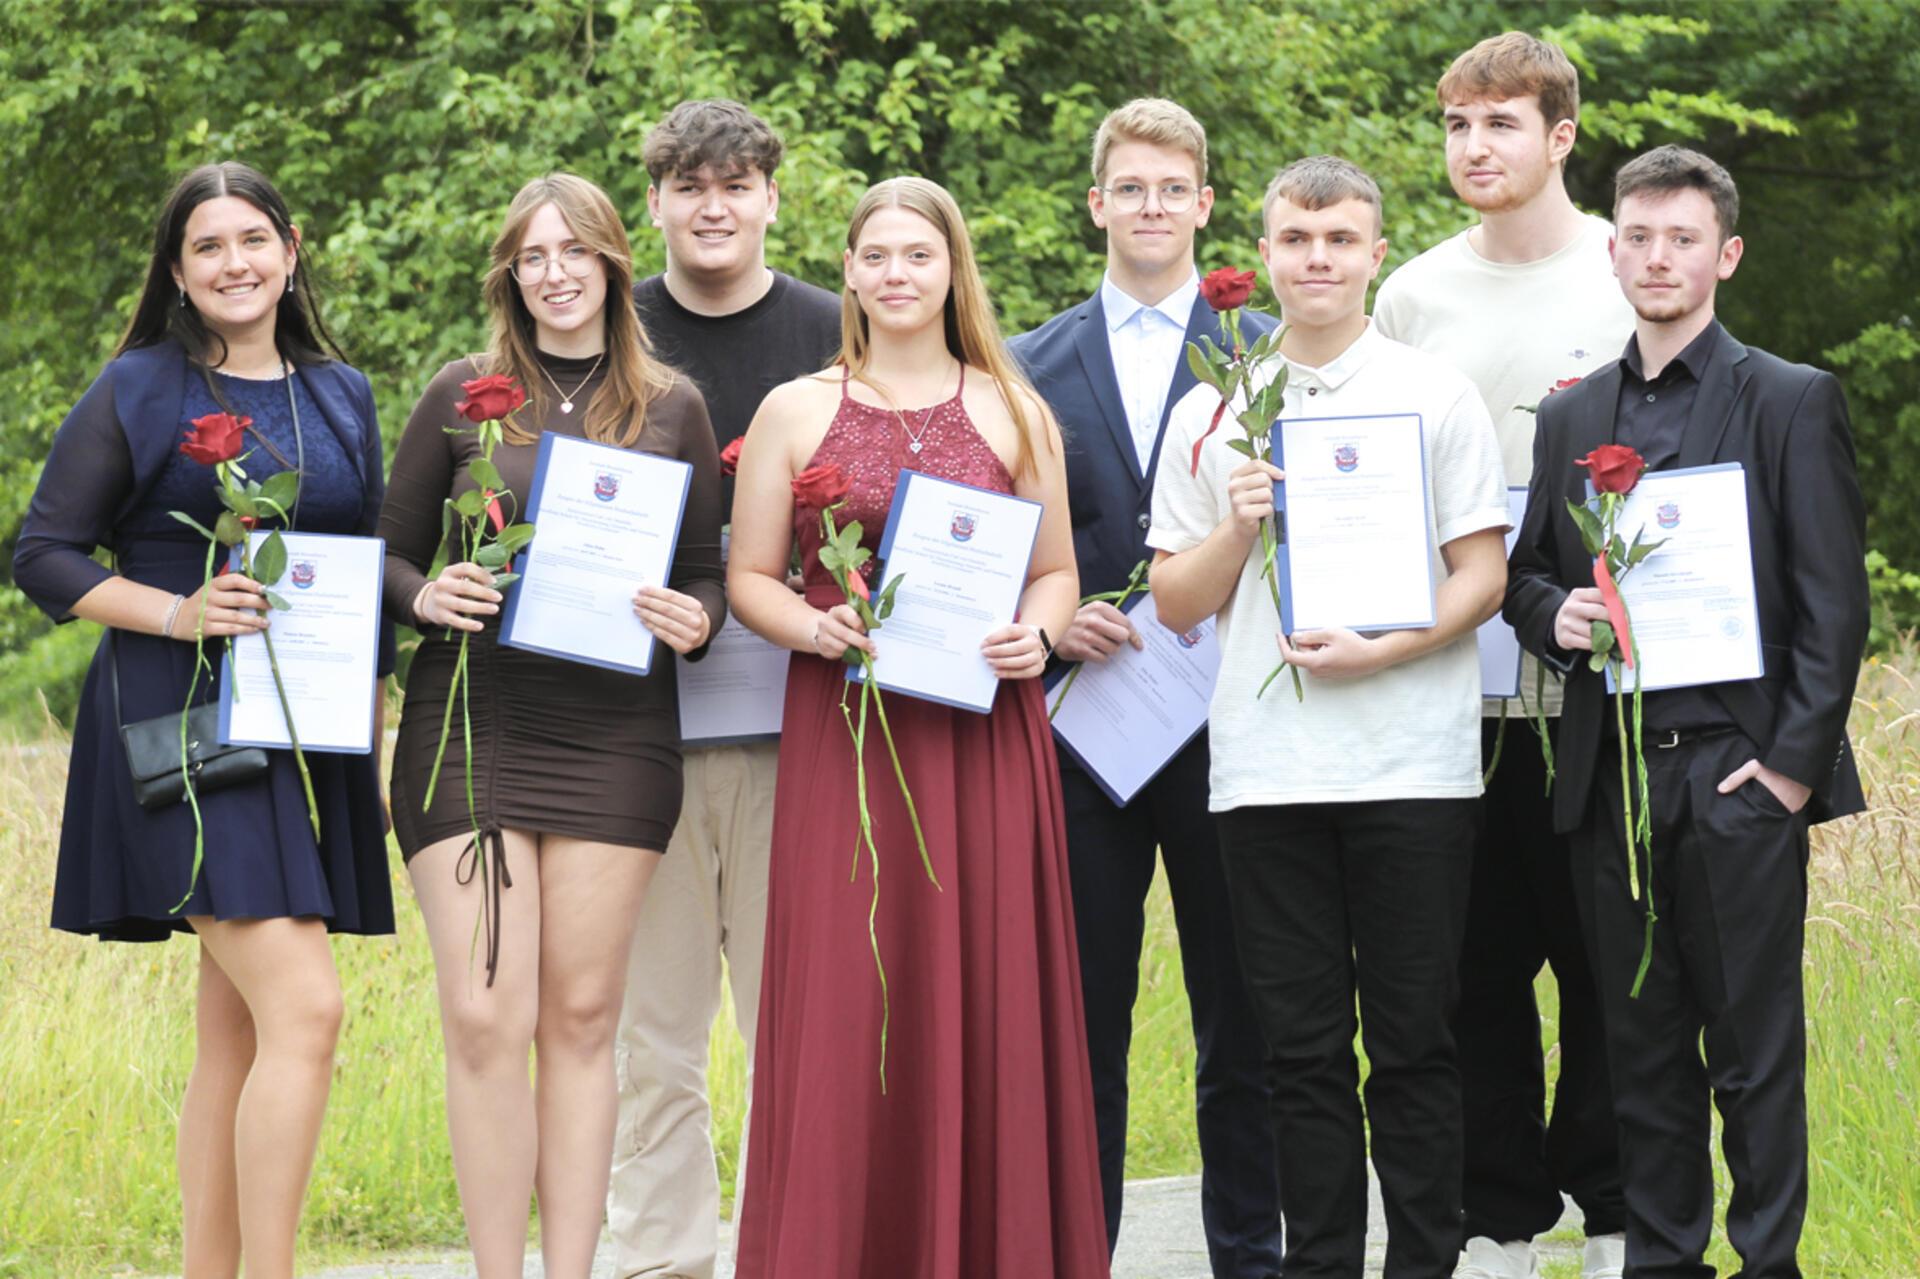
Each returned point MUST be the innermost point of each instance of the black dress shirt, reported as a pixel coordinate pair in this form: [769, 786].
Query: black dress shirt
[1651, 419]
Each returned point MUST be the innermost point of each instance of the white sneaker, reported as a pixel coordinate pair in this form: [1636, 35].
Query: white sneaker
[1605, 1257]
[1485, 1259]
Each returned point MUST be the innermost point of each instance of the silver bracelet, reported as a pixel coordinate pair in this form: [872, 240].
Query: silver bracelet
[166, 627]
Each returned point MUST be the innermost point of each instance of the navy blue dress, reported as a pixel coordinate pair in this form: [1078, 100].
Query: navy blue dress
[113, 475]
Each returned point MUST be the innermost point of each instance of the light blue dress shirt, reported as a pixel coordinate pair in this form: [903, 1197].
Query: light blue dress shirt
[1147, 344]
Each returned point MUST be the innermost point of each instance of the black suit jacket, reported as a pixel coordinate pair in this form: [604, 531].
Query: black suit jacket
[1786, 424]
[1110, 497]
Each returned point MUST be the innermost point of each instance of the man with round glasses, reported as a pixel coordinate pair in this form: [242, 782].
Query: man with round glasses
[1111, 367]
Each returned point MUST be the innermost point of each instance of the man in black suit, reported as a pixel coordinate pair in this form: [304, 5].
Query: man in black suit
[1111, 368]
[1739, 770]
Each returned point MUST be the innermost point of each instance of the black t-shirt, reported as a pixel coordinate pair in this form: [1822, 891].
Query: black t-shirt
[736, 359]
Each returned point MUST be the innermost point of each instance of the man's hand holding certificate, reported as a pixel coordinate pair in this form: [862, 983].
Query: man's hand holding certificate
[961, 554]
[608, 520]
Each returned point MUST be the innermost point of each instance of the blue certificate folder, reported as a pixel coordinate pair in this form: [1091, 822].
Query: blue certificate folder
[906, 482]
[513, 615]
[298, 577]
[1283, 563]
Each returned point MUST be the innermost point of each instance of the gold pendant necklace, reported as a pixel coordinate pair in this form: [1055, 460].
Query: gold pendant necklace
[566, 401]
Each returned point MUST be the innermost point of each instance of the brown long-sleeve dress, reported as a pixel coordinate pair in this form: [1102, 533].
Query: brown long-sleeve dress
[558, 747]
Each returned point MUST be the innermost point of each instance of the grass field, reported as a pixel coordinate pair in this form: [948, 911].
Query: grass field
[95, 1042]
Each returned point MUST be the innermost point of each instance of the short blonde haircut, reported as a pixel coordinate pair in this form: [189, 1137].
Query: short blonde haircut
[1155, 121]
[1319, 181]
[1514, 65]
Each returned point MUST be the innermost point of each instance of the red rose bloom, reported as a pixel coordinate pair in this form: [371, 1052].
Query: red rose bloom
[1615, 468]
[1227, 289]
[215, 438]
[730, 457]
[819, 487]
[490, 398]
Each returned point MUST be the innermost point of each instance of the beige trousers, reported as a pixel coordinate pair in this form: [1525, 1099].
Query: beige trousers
[708, 898]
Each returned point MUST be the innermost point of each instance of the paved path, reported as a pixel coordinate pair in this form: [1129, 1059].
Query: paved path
[1160, 1238]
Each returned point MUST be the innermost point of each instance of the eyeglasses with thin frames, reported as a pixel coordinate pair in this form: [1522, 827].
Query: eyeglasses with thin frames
[1131, 197]
[576, 260]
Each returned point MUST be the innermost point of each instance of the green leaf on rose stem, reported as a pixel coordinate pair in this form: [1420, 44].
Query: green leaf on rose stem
[865, 609]
[228, 530]
[1253, 422]
[1640, 550]
[278, 601]
[501, 581]
[281, 490]
[1616, 551]
[885, 609]
[857, 556]
[1279, 382]
[1202, 371]
[492, 555]
[1589, 525]
[1212, 352]
[270, 561]
[1603, 639]
[485, 474]
[238, 502]
[470, 504]
[514, 536]
[1242, 447]
[195, 525]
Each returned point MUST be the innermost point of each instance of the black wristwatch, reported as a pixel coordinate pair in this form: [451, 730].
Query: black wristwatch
[1046, 645]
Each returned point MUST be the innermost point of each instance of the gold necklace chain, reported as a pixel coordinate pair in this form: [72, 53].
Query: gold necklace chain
[566, 401]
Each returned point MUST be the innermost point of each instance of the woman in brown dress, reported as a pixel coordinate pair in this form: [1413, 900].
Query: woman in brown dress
[576, 768]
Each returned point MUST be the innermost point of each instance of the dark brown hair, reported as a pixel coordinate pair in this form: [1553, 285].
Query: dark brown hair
[1671, 168]
[1514, 65]
[710, 132]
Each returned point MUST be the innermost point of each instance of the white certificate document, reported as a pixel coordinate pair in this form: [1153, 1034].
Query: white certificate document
[1124, 719]
[1691, 603]
[962, 554]
[738, 691]
[605, 524]
[1357, 552]
[326, 643]
[1499, 646]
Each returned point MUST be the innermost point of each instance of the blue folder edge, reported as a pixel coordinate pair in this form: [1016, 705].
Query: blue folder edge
[510, 613]
[1282, 564]
[1119, 801]
[1759, 649]
[226, 661]
[855, 674]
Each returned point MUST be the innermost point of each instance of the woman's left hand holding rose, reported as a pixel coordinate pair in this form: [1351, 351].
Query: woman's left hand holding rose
[1015, 652]
[679, 621]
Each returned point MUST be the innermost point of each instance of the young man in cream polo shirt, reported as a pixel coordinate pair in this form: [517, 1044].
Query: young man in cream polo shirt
[1346, 818]
[1520, 302]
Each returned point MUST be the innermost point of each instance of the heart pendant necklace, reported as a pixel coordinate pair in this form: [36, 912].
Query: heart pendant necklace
[566, 401]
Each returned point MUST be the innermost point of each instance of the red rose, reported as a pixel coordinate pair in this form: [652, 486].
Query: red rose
[1227, 289]
[490, 398]
[730, 457]
[215, 438]
[1615, 468]
[819, 487]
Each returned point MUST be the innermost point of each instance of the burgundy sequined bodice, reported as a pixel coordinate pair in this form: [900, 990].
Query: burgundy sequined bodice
[872, 445]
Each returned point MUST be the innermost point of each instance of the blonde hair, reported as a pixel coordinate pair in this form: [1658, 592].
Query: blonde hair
[973, 336]
[635, 378]
[1155, 121]
[1514, 65]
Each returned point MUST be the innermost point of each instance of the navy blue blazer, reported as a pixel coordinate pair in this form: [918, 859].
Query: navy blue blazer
[1111, 500]
[140, 394]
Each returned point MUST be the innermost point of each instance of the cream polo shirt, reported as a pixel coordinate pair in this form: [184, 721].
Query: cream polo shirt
[1411, 731]
[1515, 329]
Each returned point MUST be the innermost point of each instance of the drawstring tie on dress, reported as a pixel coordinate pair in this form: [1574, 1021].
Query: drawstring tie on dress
[486, 854]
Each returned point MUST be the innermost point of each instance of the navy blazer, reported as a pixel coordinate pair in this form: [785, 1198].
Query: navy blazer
[1110, 499]
[143, 391]
[1786, 424]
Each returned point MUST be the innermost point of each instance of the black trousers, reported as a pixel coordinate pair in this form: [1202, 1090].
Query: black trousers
[1111, 853]
[1730, 889]
[1330, 900]
[1520, 915]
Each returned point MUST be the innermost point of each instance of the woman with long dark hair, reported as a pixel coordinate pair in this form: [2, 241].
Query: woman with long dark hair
[979, 1156]
[227, 322]
[576, 768]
